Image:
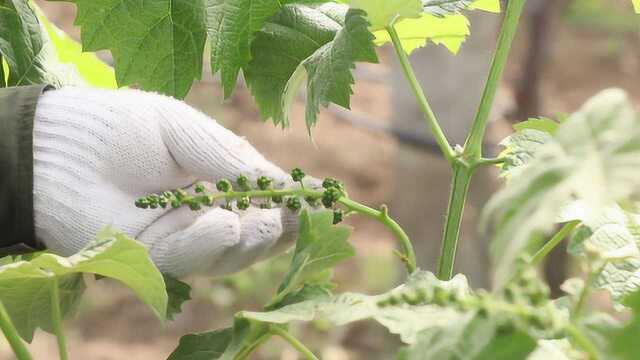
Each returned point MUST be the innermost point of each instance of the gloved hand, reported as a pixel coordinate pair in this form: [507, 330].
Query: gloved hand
[96, 151]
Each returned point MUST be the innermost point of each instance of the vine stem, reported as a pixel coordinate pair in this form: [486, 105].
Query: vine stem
[553, 242]
[382, 216]
[303, 350]
[244, 354]
[10, 332]
[57, 320]
[429, 116]
[586, 289]
[453, 220]
[583, 342]
[473, 145]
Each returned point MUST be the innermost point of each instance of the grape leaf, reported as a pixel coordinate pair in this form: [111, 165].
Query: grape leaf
[440, 23]
[320, 42]
[320, 246]
[26, 48]
[157, 44]
[178, 293]
[400, 319]
[623, 342]
[521, 146]
[382, 13]
[25, 286]
[472, 337]
[601, 143]
[556, 349]
[205, 346]
[615, 235]
[92, 70]
[231, 25]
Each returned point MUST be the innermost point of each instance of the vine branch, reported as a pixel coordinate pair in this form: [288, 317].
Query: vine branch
[10, 332]
[57, 320]
[299, 346]
[473, 145]
[429, 116]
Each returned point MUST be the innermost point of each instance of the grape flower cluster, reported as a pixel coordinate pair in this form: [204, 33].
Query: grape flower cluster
[245, 194]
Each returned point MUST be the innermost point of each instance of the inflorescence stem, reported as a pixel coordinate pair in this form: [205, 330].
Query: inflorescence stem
[333, 194]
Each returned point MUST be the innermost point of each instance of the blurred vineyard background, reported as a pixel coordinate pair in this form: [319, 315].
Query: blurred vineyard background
[567, 51]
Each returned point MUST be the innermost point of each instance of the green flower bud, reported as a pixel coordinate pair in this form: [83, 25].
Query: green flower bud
[180, 194]
[224, 185]
[330, 196]
[297, 174]
[206, 200]
[243, 183]
[277, 199]
[243, 203]
[163, 202]
[264, 183]
[195, 206]
[142, 203]
[175, 203]
[293, 204]
[199, 188]
[331, 183]
[338, 215]
[167, 195]
[311, 200]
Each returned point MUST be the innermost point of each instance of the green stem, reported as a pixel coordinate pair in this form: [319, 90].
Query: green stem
[584, 293]
[57, 320]
[487, 161]
[10, 332]
[457, 198]
[244, 354]
[583, 342]
[382, 216]
[555, 240]
[303, 350]
[429, 116]
[473, 145]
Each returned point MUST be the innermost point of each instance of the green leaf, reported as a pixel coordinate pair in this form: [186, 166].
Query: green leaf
[623, 342]
[440, 23]
[320, 246]
[636, 5]
[400, 319]
[156, 44]
[486, 5]
[471, 337]
[615, 235]
[178, 293]
[382, 13]
[25, 285]
[557, 349]
[521, 146]
[204, 346]
[601, 143]
[25, 47]
[93, 70]
[449, 31]
[322, 43]
[231, 25]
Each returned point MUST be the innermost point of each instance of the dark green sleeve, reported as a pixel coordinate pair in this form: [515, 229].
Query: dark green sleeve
[17, 111]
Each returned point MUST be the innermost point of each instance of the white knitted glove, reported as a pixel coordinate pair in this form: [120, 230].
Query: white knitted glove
[96, 151]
